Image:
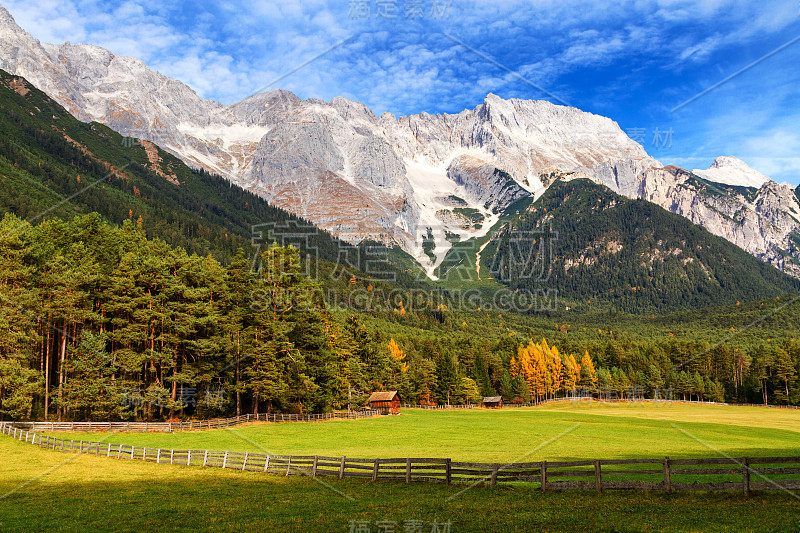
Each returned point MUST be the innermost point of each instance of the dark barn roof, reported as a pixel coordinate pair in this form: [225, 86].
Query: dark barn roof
[385, 396]
[492, 399]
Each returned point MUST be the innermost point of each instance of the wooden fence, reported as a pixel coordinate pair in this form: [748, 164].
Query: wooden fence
[712, 474]
[167, 427]
[601, 400]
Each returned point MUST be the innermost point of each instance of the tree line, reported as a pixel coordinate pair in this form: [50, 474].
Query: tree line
[99, 322]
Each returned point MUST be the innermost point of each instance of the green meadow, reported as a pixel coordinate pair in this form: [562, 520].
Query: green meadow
[51, 491]
[553, 432]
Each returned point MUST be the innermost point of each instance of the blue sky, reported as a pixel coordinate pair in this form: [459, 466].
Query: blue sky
[635, 61]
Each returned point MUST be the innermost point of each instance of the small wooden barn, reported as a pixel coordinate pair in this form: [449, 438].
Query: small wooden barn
[493, 402]
[387, 402]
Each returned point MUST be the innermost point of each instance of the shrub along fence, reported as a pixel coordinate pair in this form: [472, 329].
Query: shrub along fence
[711, 474]
[195, 425]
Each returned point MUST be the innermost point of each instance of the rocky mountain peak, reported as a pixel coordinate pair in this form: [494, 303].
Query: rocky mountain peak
[7, 20]
[350, 110]
[729, 161]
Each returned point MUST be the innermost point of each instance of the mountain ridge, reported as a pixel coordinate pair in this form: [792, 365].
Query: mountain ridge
[389, 179]
[608, 250]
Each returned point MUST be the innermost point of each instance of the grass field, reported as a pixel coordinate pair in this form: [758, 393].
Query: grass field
[70, 492]
[552, 432]
[45, 490]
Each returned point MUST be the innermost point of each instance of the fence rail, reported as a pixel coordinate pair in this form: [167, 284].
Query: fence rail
[708, 474]
[192, 425]
[601, 400]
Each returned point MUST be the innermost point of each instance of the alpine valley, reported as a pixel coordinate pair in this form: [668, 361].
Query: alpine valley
[421, 182]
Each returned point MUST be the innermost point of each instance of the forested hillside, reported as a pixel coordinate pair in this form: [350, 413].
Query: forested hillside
[631, 255]
[52, 165]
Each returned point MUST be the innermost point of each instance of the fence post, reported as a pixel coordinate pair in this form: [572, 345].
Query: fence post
[158, 456]
[288, 465]
[341, 468]
[375, 470]
[447, 470]
[266, 463]
[244, 463]
[225, 460]
[133, 450]
[597, 479]
[544, 476]
[667, 476]
[408, 469]
[189, 458]
[314, 468]
[746, 475]
[205, 458]
[495, 468]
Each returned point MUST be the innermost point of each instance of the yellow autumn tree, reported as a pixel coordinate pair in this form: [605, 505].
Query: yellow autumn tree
[554, 370]
[570, 372]
[587, 373]
[532, 366]
[538, 377]
[397, 353]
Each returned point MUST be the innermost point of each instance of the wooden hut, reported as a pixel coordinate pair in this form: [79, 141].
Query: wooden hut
[493, 402]
[387, 402]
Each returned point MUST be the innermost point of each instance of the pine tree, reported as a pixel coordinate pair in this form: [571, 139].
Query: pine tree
[238, 329]
[506, 386]
[471, 393]
[521, 391]
[93, 392]
[446, 377]
[784, 373]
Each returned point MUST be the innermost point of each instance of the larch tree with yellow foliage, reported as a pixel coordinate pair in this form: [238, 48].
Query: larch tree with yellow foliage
[399, 370]
[588, 375]
[547, 372]
[570, 372]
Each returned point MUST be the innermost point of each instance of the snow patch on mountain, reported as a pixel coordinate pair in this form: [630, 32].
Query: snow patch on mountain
[730, 170]
[444, 212]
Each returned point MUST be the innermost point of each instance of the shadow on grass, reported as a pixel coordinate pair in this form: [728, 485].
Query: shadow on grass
[180, 498]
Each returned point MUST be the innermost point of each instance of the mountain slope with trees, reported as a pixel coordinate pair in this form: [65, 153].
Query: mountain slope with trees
[53, 165]
[608, 250]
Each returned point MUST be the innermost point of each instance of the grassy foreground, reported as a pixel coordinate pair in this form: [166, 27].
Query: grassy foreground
[552, 432]
[43, 490]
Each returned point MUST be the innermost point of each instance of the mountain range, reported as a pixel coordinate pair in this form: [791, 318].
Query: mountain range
[421, 181]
